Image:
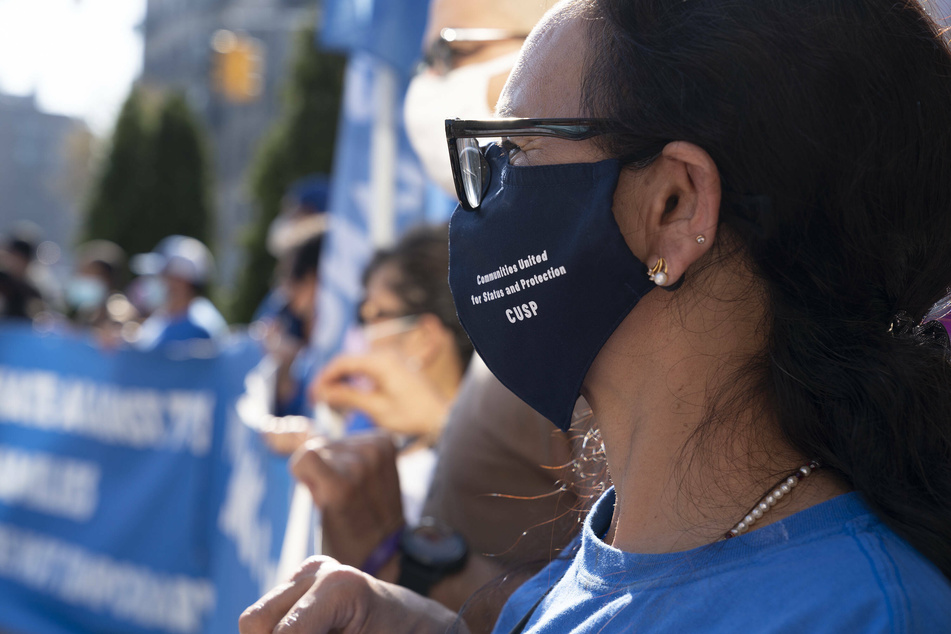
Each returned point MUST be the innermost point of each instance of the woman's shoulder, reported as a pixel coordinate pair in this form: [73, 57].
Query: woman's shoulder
[843, 564]
[833, 568]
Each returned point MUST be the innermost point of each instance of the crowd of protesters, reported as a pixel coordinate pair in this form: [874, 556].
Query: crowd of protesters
[166, 302]
[443, 481]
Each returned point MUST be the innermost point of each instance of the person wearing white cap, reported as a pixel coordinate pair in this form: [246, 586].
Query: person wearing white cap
[184, 266]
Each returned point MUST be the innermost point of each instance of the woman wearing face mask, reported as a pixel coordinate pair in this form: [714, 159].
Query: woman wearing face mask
[469, 50]
[99, 268]
[775, 426]
[413, 337]
[404, 384]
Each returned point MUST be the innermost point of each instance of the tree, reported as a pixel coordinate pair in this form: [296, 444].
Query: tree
[179, 202]
[153, 181]
[300, 143]
[120, 186]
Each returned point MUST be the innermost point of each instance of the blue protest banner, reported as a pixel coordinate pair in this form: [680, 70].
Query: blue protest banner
[132, 498]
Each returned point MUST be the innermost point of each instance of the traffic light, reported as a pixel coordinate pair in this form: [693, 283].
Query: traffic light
[238, 64]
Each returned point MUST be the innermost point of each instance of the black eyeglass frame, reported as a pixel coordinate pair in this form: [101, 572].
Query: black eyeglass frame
[569, 129]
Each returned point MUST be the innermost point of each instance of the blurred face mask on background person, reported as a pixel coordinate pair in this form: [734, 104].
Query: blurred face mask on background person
[432, 98]
[386, 336]
[383, 334]
[85, 293]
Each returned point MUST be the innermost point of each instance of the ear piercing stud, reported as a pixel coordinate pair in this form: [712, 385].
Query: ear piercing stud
[701, 239]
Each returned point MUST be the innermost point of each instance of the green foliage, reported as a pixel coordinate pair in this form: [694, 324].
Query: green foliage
[299, 144]
[181, 198]
[153, 181]
[120, 188]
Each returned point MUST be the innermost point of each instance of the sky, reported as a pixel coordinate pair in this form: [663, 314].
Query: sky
[80, 57]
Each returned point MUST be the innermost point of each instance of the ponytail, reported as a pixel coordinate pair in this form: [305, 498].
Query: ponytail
[874, 406]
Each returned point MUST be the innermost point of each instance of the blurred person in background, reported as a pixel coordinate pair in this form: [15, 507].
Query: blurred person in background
[93, 296]
[468, 51]
[295, 239]
[286, 318]
[403, 383]
[289, 332]
[18, 254]
[16, 302]
[180, 269]
[416, 355]
[284, 415]
[410, 328]
[17, 259]
[303, 216]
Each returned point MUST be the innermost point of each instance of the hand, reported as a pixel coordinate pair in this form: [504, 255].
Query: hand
[325, 596]
[354, 483]
[397, 398]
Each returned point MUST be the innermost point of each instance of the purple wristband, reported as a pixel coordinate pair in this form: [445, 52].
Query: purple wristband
[382, 553]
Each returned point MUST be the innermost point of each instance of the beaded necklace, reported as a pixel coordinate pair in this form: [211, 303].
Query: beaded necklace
[770, 500]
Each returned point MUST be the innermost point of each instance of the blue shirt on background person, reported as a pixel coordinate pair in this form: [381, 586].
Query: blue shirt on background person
[182, 268]
[201, 321]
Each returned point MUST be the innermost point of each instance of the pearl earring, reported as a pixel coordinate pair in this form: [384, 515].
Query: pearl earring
[701, 239]
[658, 272]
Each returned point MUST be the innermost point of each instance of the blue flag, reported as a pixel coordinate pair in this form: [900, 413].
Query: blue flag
[384, 41]
[389, 29]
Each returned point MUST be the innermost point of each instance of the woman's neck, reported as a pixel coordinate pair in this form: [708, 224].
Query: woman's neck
[681, 483]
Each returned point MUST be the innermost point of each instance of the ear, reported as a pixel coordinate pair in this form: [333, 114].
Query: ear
[665, 209]
[426, 339]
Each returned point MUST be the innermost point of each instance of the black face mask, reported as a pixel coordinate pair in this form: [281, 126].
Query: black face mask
[542, 276]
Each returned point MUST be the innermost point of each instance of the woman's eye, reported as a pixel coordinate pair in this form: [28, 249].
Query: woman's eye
[509, 147]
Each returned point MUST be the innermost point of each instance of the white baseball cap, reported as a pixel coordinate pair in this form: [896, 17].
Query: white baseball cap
[177, 256]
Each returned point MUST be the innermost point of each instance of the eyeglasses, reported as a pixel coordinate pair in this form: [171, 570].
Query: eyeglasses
[389, 327]
[443, 55]
[470, 169]
[365, 318]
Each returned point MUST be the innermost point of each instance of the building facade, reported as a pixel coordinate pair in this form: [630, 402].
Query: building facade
[41, 153]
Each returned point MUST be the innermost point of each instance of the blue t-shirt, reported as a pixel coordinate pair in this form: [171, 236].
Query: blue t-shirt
[834, 567]
[201, 321]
